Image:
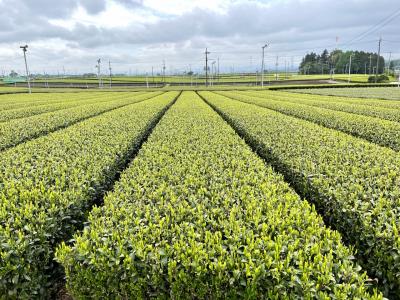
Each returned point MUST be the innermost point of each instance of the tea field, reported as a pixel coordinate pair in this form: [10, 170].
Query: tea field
[392, 93]
[199, 195]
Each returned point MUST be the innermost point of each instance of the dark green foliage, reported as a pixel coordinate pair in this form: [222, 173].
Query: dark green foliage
[339, 61]
[378, 79]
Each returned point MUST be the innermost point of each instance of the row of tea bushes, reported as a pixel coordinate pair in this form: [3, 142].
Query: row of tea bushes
[354, 183]
[50, 106]
[15, 101]
[383, 132]
[49, 184]
[390, 92]
[384, 109]
[17, 131]
[198, 215]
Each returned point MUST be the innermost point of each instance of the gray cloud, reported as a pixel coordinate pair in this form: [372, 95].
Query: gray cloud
[312, 20]
[131, 3]
[31, 10]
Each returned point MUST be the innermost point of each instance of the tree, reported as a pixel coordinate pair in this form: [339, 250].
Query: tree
[13, 74]
[340, 62]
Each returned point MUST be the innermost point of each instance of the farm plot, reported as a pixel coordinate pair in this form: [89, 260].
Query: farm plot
[354, 183]
[383, 132]
[384, 109]
[197, 199]
[48, 184]
[17, 131]
[199, 215]
[391, 93]
[49, 106]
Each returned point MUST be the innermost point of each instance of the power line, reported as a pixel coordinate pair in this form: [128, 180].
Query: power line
[376, 27]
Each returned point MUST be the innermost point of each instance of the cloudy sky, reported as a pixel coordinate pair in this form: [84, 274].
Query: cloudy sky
[136, 35]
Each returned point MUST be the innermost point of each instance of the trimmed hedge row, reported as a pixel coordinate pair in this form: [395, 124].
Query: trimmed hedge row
[383, 132]
[17, 131]
[355, 184]
[391, 93]
[198, 215]
[47, 186]
[330, 86]
[50, 106]
[15, 101]
[350, 98]
[388, 110]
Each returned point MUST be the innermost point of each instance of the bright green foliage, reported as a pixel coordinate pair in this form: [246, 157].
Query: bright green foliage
[17, 131]
[393, 104]
[70, 100]
[354, 183]
[387, 110]
[198, 215]
[47, 186]
[383, 132]
[392, 93]
[15, 101]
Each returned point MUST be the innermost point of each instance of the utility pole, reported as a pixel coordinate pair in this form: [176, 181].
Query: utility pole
[98, 72]
[46, 81]
[390, 59]
[109, 67]
[218, 69]
[213, 70]
[25, 49]
[398, 83]
[370, 64]
[285, 68]
[164, 72]
[291, 64]
[206, 53]
[276, 68]
[351, 55]
[262, 64]
[377, 60]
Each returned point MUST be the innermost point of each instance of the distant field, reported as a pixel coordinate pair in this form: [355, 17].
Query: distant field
[195, 79]
[390, 93]
[12, 89]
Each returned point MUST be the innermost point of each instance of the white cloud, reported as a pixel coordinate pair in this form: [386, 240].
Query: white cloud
[179, 7]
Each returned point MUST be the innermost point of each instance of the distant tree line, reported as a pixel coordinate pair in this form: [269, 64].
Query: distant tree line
[338, 61]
